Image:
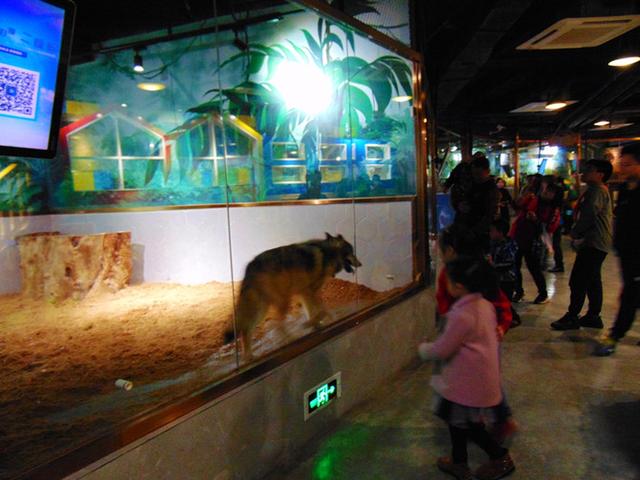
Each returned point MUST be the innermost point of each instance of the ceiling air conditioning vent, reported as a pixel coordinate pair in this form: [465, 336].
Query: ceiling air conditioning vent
[581, 32]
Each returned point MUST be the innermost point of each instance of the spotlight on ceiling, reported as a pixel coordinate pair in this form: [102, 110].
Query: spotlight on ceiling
[602, 123]
[624, 61]
[555, 105]
[137, 62]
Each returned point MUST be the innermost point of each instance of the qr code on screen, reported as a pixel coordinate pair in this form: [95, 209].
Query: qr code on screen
[18, 91]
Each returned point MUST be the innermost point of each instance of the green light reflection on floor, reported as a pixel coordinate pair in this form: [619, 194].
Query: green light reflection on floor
[345, 444]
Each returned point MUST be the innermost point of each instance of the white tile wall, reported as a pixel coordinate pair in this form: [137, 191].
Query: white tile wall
[192, 246]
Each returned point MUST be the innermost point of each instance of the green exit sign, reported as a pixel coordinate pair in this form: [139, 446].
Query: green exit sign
[321, 395]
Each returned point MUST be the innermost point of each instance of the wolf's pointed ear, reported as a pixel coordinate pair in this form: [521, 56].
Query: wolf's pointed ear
[329, 237]
[340, 237]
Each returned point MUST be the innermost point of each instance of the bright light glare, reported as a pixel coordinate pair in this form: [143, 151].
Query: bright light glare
[151, 86]
[401, 98]
[555, 105]
[624, 61]
[303, 86]
[601, 123]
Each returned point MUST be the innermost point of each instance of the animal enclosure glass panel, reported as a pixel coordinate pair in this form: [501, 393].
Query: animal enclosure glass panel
[262, 189]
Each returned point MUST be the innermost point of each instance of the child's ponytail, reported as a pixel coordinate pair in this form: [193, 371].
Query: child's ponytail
[461, 239]
[477, 276]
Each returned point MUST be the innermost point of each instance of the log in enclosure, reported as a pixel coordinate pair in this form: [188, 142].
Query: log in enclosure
[58, 267]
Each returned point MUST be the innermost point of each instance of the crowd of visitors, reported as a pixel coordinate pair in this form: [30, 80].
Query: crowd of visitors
[483, 251]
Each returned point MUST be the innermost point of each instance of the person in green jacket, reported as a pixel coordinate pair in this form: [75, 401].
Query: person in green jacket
[591, 237]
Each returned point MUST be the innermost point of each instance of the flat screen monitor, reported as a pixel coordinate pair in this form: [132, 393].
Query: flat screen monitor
[35, 45]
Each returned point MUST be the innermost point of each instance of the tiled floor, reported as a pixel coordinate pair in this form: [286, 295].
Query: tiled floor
[579, 414]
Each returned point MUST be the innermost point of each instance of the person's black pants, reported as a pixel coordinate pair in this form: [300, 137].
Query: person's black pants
[535, 269]
[585, 281]
[557, 248]
[629, 299]
[478, 435]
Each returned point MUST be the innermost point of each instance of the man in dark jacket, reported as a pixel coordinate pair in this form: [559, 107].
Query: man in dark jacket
[459, 182]
[591, 237]
[626, 241]
[480, 207]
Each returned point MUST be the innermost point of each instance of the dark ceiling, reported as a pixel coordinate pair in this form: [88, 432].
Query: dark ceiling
[476, 75]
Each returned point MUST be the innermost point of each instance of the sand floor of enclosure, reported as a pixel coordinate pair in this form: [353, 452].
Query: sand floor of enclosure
[60, 361]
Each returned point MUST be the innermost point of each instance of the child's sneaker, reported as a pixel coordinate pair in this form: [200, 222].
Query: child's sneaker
[606, 347]
[459, 470]
[495, 469]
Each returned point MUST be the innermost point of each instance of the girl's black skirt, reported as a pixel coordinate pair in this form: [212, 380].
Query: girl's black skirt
[462, 416]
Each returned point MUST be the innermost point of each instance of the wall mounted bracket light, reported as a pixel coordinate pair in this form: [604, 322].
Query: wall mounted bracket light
[238, 42]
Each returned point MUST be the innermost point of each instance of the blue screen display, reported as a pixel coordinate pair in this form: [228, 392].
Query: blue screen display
[30, 44]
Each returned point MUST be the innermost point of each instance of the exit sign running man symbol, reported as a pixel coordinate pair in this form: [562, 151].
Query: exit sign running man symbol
[322, 395]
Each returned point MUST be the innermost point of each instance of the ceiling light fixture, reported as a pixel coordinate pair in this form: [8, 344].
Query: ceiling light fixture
[137, 62]
[612, 126]
[555, 105]
[624, 61]
[538, 107]
[602, 123]
[151, 86]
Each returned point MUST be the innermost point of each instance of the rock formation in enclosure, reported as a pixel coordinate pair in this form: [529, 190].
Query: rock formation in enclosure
[56, 267]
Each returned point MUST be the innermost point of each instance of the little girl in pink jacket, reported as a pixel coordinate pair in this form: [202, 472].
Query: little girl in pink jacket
[467, 390]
